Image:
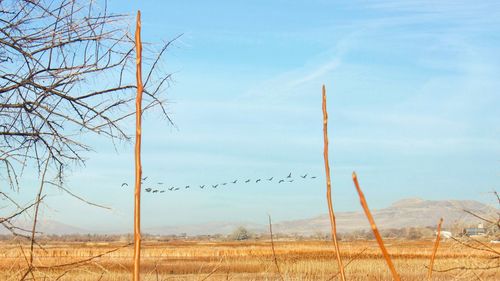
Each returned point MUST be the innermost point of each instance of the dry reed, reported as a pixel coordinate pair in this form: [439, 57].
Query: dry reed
[329, 188]
[436, 245]
[378, 237]
[275, 259]
[138, 167]
[246, 260]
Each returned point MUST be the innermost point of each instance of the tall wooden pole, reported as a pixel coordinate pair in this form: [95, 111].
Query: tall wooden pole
[333, 224]
[138, 167]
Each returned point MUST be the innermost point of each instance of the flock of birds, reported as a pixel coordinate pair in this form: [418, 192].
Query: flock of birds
[159, 189]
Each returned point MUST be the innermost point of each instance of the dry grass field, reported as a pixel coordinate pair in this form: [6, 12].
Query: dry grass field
[298, 260]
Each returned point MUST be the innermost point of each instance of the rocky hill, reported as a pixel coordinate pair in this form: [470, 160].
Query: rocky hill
[412, 212]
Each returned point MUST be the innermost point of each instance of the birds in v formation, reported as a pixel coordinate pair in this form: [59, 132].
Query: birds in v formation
[158, 189]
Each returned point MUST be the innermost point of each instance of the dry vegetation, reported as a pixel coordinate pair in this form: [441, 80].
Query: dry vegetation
[35, 133]
[249, 260]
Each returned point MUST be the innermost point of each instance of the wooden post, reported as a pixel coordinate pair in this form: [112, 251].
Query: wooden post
[138, 167]
[329, 189]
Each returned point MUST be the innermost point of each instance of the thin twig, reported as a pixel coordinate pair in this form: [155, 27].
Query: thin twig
[28, 263]
[84, 260]
[156, 272]
[482, 218]
[467, 268]
[348, 263]
[35, 219]
[78, 197]
[477, 276]
[216, 268]
[486, 247]
[20, 211]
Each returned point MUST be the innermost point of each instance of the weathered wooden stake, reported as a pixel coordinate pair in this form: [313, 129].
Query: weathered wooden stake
[329, 189]
[138, 167]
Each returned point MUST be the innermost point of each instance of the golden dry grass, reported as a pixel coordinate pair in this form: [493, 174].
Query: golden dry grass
[309, 260]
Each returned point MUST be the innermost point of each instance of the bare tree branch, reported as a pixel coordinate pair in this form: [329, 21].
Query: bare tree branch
[63, 72]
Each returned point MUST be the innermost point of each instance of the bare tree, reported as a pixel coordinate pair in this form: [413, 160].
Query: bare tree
[66, 71]
[240, 233]
[63, 74]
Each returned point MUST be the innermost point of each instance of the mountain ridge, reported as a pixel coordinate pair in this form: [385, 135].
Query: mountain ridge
[408, 212]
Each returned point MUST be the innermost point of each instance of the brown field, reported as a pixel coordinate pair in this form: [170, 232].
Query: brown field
[298, 260]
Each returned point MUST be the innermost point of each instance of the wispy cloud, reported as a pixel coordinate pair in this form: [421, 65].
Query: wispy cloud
[412, 85]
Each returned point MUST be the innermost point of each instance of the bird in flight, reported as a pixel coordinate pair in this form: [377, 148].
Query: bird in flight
[247, 181]
[289, 175]
[155, 191]
[215, 186]
[124, 184]
[281, 181]
[187, 186]
[313, 177]
[290, 181]
[160, 183]
[224, 183]
[148, 189]
[172, 188]
[161, 191]
[304, 176]
[234, 181]
[270, 179]
[177, 188]
[202, 186]
[144, 178]
[257, 180]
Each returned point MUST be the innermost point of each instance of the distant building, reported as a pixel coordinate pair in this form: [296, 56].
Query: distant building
[474, 231]
[446, 234]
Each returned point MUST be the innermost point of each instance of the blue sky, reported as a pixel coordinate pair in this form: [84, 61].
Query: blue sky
[412, 97]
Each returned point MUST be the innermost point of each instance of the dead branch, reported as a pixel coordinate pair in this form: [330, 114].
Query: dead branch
[35, 219]
[6, 219]
[348, 263]
[76, 196]
[70, 264]
[214, 270]
[497, 223]
[63, 72]
[474, 247]
[467, 268]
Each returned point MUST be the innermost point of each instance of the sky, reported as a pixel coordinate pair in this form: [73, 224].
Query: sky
[413, 102]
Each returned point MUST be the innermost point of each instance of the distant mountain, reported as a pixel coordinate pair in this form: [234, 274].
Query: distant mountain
[414, 212]
[403, 213]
